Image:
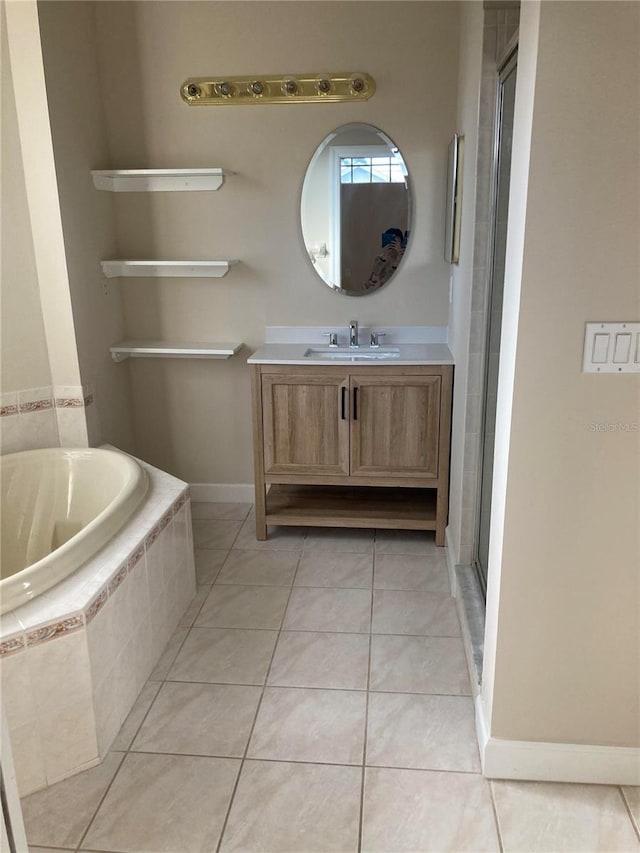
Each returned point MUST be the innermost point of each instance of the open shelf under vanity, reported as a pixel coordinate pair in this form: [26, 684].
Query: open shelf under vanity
[351, 506]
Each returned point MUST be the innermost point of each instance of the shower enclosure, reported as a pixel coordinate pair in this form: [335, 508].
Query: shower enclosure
[501, 171]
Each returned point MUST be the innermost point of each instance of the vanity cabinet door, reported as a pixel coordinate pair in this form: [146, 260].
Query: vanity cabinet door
[395, 425]
[306, 423]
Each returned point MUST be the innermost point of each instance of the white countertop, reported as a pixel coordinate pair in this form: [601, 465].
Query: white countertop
[418, 354]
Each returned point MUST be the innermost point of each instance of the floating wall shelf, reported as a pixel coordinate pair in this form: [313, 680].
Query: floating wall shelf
[172, 349]
[166, 269]
[158, 180]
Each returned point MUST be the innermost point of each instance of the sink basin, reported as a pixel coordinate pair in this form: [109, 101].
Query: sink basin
[344, 353]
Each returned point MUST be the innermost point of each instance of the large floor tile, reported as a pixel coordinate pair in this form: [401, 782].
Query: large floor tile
[314, 609]
[59, 815]
[218, 534]
[290, 808]
[169, 654]
[209, 561]
[48, 850]
[200, 719]
[544, 816]
[190, 614]
[165, 804]
[325, 568]
[632, 797]
[325, 726]
[406, 811]
[406, 542]
[278, 538]
[226, 655]
[419, 665]
[255, 568]
[422, 732]
[339, 539]
[230, 606]
[414, 612]
[137, 714]
[409, 571]
[228, 511]
[310, 659]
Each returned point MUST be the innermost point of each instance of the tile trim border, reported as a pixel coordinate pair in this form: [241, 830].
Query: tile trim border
[97, 604]
[69, 402]
[19, 642]
[56, 629]
[11, 645]
[50, 399]
[35, 406]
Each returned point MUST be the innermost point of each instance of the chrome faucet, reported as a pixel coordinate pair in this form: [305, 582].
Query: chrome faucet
[333, 338]
[353, 334]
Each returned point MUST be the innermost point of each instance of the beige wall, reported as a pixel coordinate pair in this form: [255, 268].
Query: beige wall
[23, 357]
[80, 144]
[563, 615]
[25, 56]
[193, 418]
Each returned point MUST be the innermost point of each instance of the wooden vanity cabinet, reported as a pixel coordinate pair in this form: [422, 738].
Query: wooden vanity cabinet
[352, 446]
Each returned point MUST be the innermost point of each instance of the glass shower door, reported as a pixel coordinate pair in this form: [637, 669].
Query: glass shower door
[502, 169]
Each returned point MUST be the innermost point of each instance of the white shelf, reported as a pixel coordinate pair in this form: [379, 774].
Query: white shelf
[158, 180]
[172, 349]
[166, 269]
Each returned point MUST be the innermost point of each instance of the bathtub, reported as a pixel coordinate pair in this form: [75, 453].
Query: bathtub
[59, 507]
[75, 657]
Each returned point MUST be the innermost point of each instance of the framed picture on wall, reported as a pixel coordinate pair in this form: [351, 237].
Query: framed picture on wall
[454, 199]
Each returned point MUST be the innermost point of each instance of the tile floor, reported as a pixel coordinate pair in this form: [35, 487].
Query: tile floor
[314, 698]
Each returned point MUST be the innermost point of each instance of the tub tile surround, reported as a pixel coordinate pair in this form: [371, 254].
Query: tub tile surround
[51, 416]
[75, 659]
[346, 741]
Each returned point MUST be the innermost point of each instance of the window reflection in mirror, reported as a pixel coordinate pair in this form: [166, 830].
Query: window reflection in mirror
[356, 209]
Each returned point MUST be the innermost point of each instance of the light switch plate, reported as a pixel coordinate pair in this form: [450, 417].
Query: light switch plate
[611, 348]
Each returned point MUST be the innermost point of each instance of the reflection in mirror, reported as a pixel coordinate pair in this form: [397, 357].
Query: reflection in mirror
[355, 209]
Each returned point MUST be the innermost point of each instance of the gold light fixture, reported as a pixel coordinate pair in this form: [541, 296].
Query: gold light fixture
[279, 89]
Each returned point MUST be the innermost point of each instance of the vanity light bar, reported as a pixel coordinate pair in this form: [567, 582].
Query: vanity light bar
[279, 89]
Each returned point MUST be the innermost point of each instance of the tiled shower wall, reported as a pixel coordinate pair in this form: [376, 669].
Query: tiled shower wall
[60, 416]
[500, 24]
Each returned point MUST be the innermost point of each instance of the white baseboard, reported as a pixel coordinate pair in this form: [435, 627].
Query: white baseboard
[554, 762]
[222, 492]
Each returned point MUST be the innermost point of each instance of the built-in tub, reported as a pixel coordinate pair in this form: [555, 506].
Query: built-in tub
[74, 658]
[59, 507]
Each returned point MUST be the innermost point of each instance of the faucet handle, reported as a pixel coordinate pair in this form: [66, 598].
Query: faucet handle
[353, 334]
[333, 338]
[375, 338]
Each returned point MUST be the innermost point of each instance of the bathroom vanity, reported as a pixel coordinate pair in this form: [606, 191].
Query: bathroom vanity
[352, 437]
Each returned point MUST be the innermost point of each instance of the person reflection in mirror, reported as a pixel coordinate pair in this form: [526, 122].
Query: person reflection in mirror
[394, 242]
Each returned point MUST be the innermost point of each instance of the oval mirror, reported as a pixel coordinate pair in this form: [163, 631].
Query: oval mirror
[356, 209]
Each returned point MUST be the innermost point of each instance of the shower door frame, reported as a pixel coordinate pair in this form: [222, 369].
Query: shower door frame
[504, 68]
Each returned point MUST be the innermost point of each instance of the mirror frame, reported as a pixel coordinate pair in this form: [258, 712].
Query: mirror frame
[320, 148]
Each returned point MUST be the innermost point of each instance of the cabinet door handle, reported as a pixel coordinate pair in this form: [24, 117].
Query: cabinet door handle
[355, 404]
[344, 403]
